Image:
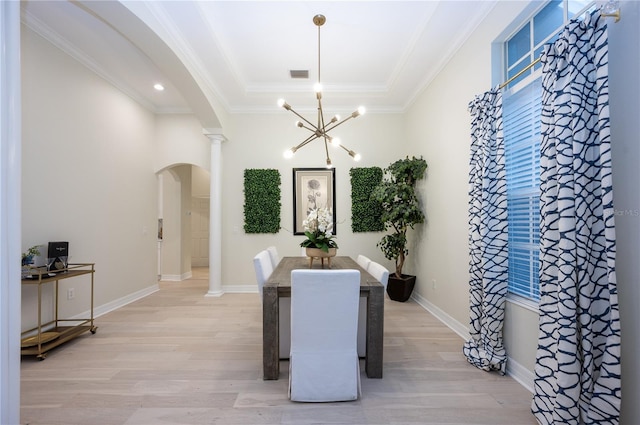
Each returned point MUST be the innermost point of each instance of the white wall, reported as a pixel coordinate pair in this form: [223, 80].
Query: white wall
[624, 85]
[258, 142]
[88, 175]
[184, 171]
[200, 182]
[438, 127]
[179, 140]
[200, 229]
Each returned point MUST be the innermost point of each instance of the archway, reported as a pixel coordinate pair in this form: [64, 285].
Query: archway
[183, 221]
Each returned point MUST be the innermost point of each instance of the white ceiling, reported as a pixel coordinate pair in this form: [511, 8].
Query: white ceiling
[379, 54]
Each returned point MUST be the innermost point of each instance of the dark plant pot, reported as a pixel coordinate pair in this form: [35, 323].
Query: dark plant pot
[400, 289]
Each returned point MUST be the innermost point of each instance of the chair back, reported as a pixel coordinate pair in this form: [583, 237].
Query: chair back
[363, 261]
[263, 268]
[263, 265]
[324, 325]
[273, 254]
[380, 272]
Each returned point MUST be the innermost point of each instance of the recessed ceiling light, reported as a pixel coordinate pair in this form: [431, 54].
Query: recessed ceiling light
[158, 86]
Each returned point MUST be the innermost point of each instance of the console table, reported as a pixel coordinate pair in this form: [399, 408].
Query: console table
[37, 341]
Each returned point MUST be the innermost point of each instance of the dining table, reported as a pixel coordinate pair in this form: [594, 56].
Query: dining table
[279, 285]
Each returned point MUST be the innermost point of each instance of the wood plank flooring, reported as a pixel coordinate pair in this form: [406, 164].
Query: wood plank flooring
[177, 357]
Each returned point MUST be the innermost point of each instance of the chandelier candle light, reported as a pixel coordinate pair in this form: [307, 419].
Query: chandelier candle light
[321, 129]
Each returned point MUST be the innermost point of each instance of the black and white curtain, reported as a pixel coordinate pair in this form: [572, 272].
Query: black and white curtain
[577, 372]
[487, 234]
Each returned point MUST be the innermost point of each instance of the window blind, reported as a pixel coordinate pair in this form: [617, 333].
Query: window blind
[521, 120]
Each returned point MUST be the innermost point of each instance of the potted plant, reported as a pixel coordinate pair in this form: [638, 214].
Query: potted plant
[27, 257]
[396, 195]
[27, 260]
[318, 228]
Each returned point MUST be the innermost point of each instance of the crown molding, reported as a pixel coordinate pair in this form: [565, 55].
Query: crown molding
[46, 32]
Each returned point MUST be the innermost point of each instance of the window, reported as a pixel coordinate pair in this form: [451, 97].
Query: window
[522, 101]
[521, 113]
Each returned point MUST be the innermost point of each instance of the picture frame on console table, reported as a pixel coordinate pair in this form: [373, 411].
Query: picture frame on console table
[312, 188]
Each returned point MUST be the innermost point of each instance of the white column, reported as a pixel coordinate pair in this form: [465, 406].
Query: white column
[10, 222]
[215, 213]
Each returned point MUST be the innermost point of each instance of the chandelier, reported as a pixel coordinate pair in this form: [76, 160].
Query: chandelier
[321, 129]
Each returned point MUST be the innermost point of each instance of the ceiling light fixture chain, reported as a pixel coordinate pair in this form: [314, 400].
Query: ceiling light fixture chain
[320, 130]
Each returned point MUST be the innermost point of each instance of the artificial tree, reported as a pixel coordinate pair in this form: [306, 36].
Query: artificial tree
[401, 211]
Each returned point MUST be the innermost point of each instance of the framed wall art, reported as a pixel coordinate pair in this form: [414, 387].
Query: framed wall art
[312, 188]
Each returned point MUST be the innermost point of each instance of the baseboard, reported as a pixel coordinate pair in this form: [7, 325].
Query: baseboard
[240, 289]
[450, 322]
[116, 304]
[176, 277]
[519, 373]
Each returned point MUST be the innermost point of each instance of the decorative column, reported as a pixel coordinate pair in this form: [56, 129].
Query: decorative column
[215, 213]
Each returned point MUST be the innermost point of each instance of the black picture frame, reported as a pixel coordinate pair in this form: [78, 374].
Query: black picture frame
[313, 188]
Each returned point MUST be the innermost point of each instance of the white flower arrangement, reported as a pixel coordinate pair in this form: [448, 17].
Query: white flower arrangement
[318, 228]
[319, 220]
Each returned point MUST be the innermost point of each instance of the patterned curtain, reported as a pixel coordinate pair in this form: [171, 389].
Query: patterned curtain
[487, 234]
[577, 372]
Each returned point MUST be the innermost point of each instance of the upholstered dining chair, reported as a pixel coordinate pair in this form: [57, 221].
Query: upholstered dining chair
[273, 254]
[263, 268]
[363, 261]
[381, 274]
[324, 364]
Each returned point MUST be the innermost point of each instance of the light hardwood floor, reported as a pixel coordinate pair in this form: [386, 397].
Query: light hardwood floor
[177, 357]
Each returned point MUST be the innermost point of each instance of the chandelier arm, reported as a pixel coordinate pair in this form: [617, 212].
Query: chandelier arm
[326, 150]
[345, 148]
[311, 129]
[351, 153]
[339, 123]
[301, 117]
[306, 141]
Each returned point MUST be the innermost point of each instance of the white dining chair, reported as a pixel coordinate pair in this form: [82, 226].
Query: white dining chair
[381, 274]
[363, 261]
[263, 268]
[324, 364]
[273, 254]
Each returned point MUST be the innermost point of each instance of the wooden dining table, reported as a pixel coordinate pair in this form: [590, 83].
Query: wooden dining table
[279, 285]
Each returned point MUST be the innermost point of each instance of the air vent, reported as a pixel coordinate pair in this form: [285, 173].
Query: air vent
[299, 73]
